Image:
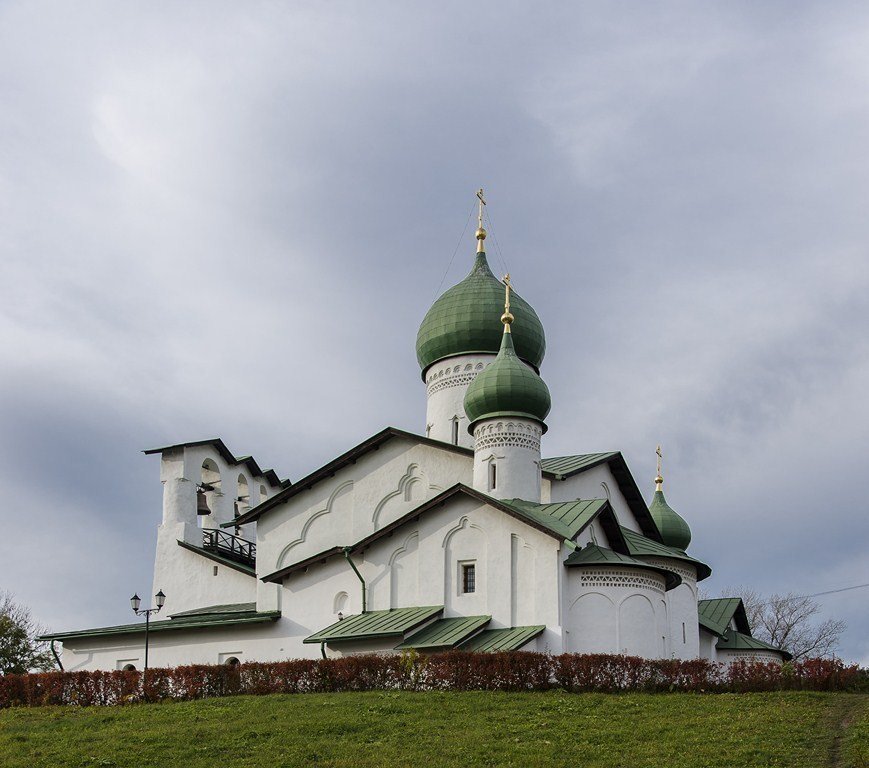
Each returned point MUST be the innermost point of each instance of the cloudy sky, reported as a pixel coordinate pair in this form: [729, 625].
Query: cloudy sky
[228, 219]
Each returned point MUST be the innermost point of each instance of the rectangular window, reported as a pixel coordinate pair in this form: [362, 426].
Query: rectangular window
[455, 431]
[684, 640]
[493, 476]
[469, 578]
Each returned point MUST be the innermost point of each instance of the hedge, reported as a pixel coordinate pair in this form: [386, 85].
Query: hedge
[453, 671]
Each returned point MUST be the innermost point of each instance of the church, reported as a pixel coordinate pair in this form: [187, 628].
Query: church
[463, 537]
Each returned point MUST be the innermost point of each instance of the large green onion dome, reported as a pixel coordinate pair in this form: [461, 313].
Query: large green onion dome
[672, 527]
[460, 321]
[507, 387]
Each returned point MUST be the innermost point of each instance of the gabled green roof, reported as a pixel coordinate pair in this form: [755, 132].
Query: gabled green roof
[444, 633]
[508, 639]
[363, 626]
[639, 545]
[460, 321]
[565, 518]
[716, 615]
[203, 618]
[738, 641]
[594, 554]
[565, 466]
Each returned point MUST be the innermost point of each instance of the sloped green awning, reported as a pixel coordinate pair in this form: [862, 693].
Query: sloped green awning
[444, 633]
[640, 545]
[372, 624]
[737, 641]
[507, 639]
[203, 618]
[564, 518]
[594, 554]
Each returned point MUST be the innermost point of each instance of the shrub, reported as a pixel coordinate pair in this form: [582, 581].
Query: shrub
[452, 671]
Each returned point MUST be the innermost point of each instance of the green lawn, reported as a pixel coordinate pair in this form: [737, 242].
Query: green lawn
[451, 729]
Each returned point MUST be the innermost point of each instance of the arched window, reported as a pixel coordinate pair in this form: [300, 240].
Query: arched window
[209, 486]
[232, 661]
[263, 494]
[242, 496]
[339, 604]
[129, 668]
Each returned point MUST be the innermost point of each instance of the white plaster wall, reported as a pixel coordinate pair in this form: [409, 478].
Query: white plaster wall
[257, 642]
[615, 610]
[516, 574]
[446, 384]
[763, 657]
[595, 483]
[188, 579]
[380, 487]
[683, 630]
[512, 446]
[707, 645]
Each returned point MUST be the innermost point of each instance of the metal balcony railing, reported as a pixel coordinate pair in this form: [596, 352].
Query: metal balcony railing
[229, 546]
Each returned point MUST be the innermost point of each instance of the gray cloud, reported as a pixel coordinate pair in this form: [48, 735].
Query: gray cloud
[229, 220]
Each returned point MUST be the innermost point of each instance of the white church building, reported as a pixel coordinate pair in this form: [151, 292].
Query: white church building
[464, 537]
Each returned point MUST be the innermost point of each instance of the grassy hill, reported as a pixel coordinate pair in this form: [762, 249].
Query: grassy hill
[450, 729]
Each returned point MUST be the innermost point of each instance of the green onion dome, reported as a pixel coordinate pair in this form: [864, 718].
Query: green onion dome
[507, 387]
[460, 321]
[672, 527]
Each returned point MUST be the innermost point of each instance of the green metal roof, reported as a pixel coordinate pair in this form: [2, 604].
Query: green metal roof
[460, 321]
[444, 633]
[213, 609]
[509, 639]
[564, 518]
[641, 545]
[738, 641]
[563, 466]
[507, 387]
[716, 615]
[674, 530]
[201, 619]
[362, 626]
[594, 554]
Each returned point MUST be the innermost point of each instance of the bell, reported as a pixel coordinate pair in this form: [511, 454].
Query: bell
[201, 503]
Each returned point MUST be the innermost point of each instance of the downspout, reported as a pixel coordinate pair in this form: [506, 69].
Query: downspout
[356, 571]
[56, 657]
[323, 649]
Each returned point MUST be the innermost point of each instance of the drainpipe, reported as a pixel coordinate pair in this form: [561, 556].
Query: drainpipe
[356, 571]
[56, 657]
[323, 649]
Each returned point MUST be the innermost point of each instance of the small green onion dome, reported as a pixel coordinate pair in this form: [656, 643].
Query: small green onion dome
[672, 527]
[460, 321]
[507, 387]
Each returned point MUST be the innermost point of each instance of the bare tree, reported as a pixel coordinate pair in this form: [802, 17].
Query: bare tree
[20, 651]
[788, 622]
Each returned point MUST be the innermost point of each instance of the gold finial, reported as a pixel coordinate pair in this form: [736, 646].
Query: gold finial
[481, 233]
[659, 481]
[507, 317]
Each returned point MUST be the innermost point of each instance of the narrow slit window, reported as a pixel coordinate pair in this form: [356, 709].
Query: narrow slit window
[455, 431]
[493, 476]
[469, 578]
[684, 638]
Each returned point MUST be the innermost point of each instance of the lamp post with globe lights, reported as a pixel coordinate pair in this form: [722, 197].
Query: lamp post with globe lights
[135, 602]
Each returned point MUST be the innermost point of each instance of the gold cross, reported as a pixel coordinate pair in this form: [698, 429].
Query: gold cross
[660, 456]
[507, 288]
[482, 203]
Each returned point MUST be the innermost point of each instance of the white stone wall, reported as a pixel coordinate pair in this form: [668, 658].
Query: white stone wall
[512, 447]
[446, 383]
[684, 630]
[762, 657]
[612, 609]
[187, 579]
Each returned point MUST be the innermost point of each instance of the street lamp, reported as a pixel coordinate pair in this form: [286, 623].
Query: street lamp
[135, 602]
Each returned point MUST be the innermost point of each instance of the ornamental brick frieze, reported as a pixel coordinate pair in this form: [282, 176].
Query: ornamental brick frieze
[622, 579]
